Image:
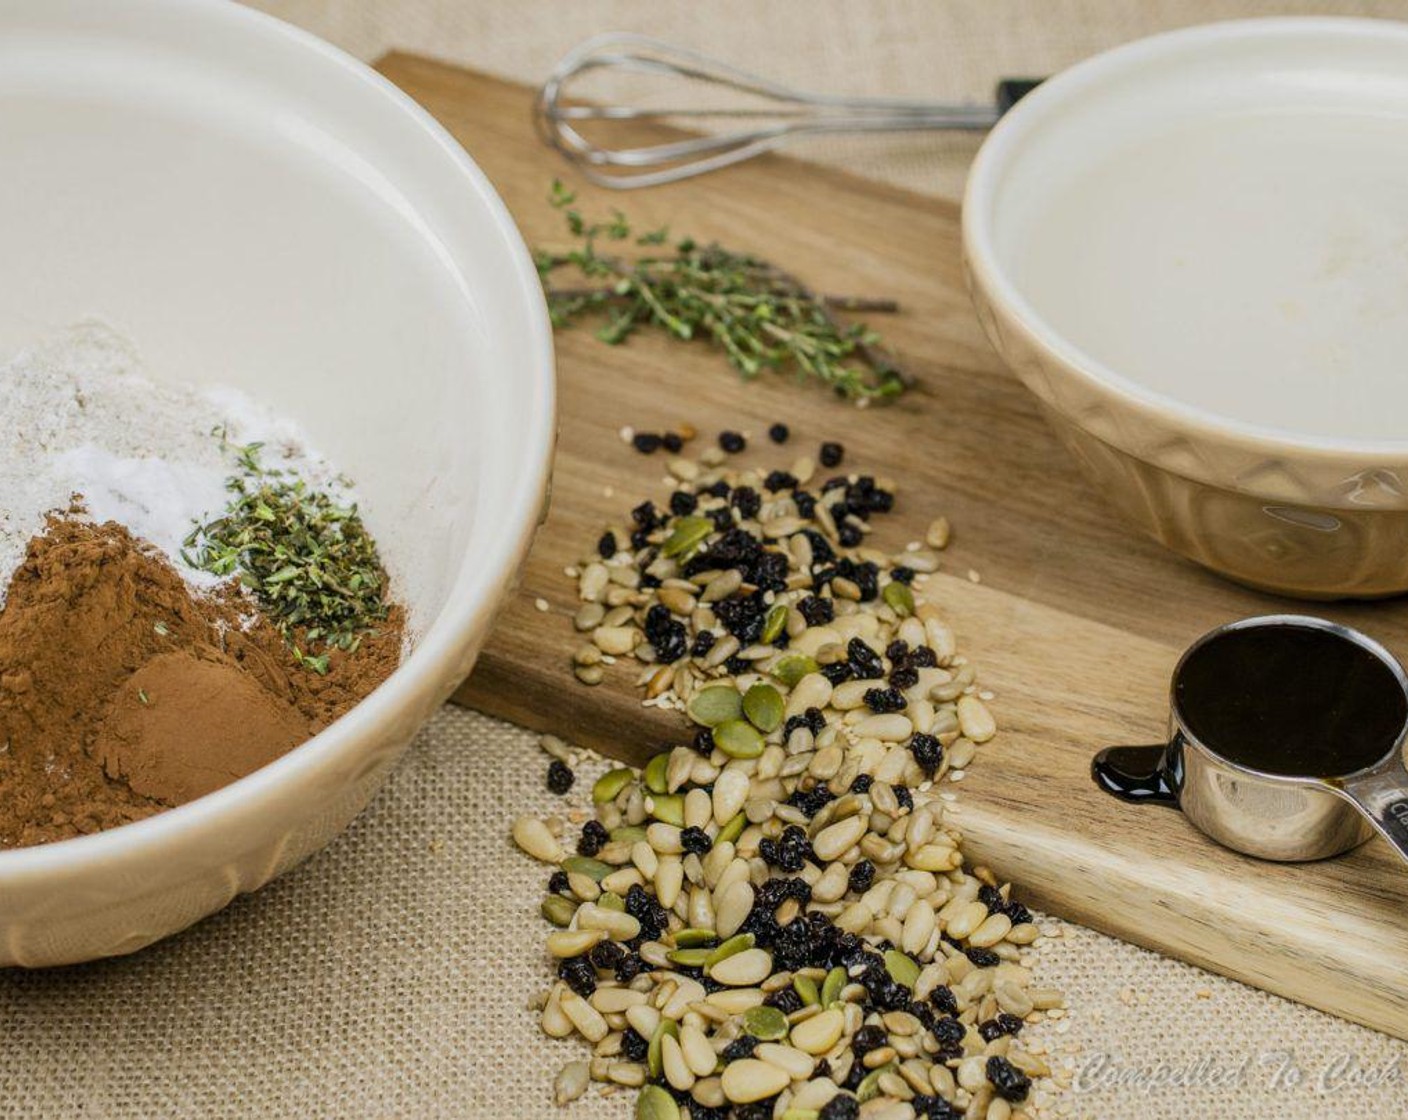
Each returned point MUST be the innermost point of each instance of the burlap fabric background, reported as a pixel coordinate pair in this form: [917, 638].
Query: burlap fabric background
[389, 976]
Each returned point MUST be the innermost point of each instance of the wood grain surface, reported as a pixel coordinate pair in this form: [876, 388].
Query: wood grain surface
[1076, 623]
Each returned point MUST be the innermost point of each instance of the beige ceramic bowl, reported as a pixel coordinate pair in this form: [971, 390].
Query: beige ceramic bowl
[254, 208]
[1194, 251]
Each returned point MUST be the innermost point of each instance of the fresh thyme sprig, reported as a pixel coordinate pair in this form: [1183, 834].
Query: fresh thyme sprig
[309, 561]
[762, 317]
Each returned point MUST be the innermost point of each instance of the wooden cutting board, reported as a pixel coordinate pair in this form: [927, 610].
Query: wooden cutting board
[1076, 623]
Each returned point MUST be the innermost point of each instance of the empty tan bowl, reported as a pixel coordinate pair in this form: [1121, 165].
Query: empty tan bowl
[257, 209]
[1193, 250]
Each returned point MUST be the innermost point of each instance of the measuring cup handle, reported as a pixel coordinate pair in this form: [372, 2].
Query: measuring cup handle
[1381, 794]
[1012, 90]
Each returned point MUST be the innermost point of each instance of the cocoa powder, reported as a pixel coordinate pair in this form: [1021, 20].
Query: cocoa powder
[122, 693]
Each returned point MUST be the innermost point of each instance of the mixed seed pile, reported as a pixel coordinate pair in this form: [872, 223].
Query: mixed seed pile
[775, 921]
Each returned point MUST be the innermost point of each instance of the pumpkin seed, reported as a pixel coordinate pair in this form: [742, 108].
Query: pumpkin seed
[763, 705]
[870, 1084]
[735, 944]
[738, 739]
[715, 705]
[558, 910]
[611, 901]
[773, 622]
[668, 807]
[831, 987]
[766, 1023]
[654, 1103]
[627, 834]
[611, 783]
[652, 1053]
[693, 938]
[689, 958]
[805, 987]
[733, 830]
[899, 597]
[689, 534]
[792, 667]
[902, 968]
[593, 869]
[654, 774]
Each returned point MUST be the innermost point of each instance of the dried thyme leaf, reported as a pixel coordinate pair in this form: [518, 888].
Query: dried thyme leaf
[309, 561]
[762, 317]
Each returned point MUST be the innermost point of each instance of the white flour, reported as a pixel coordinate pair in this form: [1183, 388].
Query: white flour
[80, 419]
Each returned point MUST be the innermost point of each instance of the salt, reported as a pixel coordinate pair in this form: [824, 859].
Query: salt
[83, 421]
[156, 499]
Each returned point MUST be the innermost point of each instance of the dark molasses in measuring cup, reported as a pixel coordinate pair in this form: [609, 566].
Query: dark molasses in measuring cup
[1286, 741]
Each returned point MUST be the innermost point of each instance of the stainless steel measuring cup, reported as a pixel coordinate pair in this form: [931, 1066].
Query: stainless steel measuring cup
[1281, 811]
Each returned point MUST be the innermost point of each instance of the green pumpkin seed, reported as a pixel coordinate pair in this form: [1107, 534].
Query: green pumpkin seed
[654, 1103]
[766, 1023]
[611, 901]
[902, 969]
[654, 774]
[793, 667]
[870, 1086]
[690, 938]
[689, 534]
[735, 944]
[900, 598]
[593, 869]
[806, 988]
[738, 739]
[832, 985]
[773, 623]
[733, 830]
[668, 807]
[627, 834]
[688, 958]
[652, 1053]
[611, 783]
[763, 706]
[559, 910]
[801, 1114]
[715, 705]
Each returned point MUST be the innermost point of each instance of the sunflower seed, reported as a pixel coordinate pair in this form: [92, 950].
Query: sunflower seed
[749, 1079]
[534, 837]
[570, 1083]
[820, 1033]
[742, 970]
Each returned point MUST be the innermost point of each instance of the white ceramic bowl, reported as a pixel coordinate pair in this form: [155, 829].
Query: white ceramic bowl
[1194, 250]
[253, 207]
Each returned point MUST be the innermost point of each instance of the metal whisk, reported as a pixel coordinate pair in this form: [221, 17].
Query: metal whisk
[783, 114]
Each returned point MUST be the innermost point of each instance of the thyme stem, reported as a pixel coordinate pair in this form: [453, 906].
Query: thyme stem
[759, 315]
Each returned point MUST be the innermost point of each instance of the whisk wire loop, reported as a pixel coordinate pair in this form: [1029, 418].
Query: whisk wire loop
[788, 114]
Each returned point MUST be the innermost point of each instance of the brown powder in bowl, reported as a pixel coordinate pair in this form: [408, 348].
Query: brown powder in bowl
[184, 725]
[122, 694]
